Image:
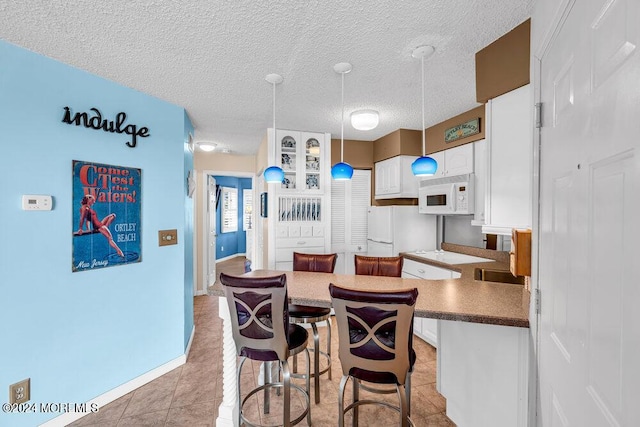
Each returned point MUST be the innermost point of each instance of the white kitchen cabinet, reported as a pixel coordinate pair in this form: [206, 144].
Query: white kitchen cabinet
[480, 172]
[302, 157]
[509, 154]
[454, 161]
[483, 373]
[424, 327]
[426, 271]
[394, 178]
[299, 209]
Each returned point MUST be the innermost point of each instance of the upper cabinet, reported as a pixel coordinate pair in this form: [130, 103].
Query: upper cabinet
[453, 161]
[480, 174]
[298, 214]
[509, 154]
[302, 157]
[394, 178]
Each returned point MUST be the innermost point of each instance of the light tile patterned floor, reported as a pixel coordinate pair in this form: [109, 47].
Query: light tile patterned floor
[189, 396]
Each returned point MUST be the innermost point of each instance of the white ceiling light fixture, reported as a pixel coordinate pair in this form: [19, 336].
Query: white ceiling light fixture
[274, 174]
[342, 171]
[207, 146]
[364, 119]
[424, 165]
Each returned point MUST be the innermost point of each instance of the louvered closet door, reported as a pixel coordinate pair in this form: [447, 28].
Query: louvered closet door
[349, 203]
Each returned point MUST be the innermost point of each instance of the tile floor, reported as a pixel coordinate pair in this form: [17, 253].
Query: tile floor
[190, 395]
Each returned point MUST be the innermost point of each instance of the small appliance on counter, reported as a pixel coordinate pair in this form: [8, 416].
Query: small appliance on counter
[395, 229]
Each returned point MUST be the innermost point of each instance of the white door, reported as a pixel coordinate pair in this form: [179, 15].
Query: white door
[211, 231]
[589, 344]
[349, 203]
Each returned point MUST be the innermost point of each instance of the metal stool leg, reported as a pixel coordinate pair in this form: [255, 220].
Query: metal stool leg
[316, 362]
[343, 383]
[356, 397]
[266, 368]
[329, 345]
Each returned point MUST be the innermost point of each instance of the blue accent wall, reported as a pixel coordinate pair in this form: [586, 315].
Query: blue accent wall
[229, 244]
[80, 335]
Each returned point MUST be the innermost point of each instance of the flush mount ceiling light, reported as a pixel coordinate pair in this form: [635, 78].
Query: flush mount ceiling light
[364, 119]
[274, 174]
[424, 165]
[342, 171]
[207, 146]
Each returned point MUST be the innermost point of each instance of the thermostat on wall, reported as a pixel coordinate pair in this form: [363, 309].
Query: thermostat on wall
[31, 202]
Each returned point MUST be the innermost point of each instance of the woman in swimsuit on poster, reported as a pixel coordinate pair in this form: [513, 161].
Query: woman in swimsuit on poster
[88, 215]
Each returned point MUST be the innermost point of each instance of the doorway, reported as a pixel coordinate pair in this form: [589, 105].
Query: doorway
[216, 242]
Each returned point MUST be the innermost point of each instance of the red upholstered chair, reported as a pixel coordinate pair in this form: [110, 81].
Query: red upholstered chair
[322, 263]
[375, 332]
[378, 266]
[261, 331]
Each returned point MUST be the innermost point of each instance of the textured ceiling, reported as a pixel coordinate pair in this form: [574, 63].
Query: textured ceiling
[211, 57]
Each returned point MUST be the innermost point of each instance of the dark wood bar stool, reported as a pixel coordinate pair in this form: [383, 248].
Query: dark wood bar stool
[378, 266]
[375, 330]
[261, 331]
[322, 263]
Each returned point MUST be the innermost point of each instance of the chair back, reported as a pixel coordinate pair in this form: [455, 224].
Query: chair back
[375, 332]
[259, 316]
[379, 266]
[321, 263]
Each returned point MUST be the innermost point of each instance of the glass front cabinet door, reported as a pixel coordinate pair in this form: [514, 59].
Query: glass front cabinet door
[301, 158]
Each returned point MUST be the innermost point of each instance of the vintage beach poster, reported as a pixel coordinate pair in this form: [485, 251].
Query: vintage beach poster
[106, 215]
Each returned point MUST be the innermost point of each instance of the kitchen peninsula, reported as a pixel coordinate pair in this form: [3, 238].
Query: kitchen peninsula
[483, 339]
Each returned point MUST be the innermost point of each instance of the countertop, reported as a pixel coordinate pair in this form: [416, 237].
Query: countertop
[463, 299]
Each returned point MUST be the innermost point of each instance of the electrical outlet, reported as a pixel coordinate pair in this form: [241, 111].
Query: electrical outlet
[221, 248]
[20, 392]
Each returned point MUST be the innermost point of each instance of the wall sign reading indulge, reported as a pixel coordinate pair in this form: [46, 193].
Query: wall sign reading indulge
[96, 122]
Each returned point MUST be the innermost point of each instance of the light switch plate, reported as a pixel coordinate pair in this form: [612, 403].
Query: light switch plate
[167, 237]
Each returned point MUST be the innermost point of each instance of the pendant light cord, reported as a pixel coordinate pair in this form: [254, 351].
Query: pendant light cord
[274, 111]
[424, 149]
[342, 124]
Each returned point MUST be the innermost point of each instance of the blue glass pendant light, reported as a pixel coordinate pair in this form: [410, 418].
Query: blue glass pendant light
[274, 174]
[424, 165]
[342, 171]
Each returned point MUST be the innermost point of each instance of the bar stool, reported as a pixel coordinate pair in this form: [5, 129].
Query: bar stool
[261, 331]
[375, 331]
[379, 266]
[322, 263]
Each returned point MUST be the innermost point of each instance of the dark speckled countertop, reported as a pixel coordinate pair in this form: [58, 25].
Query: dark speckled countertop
[463, 299]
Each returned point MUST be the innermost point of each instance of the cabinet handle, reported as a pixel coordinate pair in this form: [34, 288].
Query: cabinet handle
[420, 271]
[302, 242]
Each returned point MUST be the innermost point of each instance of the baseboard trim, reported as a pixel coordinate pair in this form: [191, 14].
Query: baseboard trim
[200, 293]
[188, 349]
[121, 390]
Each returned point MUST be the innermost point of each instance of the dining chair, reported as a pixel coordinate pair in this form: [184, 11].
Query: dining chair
[378, 266]
[322, 263]
[375, 332]
[262, 332]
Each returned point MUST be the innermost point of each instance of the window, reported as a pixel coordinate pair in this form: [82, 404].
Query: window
[229, 218]
[247, 210]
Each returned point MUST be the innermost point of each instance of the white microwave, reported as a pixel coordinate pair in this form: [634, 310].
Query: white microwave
[451, 195]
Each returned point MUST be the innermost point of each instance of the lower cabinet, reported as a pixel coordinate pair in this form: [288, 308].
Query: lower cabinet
[424, 327]
[483, 372]
[308, 239]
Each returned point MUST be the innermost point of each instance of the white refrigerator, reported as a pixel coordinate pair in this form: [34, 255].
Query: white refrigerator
[395, 229]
